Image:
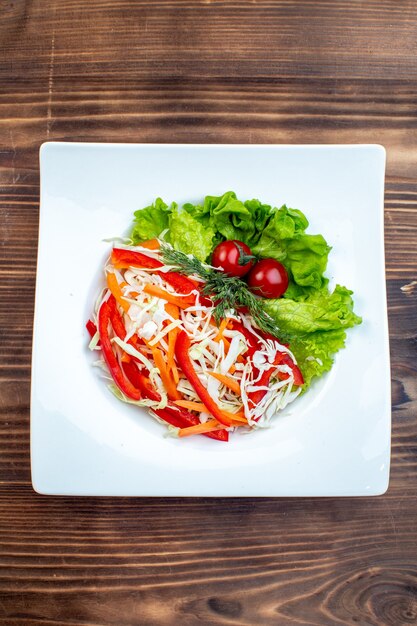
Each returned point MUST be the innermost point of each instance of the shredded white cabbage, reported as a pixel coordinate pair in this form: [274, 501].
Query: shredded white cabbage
[151, 324]
[94, 341]
[127, 347]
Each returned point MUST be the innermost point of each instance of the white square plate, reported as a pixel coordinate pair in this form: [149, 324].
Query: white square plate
[334, 441]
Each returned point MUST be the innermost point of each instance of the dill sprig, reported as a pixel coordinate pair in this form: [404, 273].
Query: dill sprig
[228, 293]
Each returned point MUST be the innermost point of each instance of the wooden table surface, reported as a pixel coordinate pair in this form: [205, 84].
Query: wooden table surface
[205, 71]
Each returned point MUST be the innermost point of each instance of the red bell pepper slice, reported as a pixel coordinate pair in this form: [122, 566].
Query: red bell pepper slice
[254, 345]
[91, 327]
[126, 258]
[141, 382]
[175, 416]
[183, 419]
[115, 370]
[182, 347]
[281, 358]
[123, 257]
[298, 377]
[119, 327]
[252, 341]
[287, 360]
[116, 319]
[256, 396]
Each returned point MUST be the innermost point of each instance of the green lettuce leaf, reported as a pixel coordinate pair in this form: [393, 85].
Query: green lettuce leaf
[230, 217]
[315, 327]
[285, 224]
[190, 236]
[304, 256]
[151, 221]
[321, 311]
[260, 216]
[315, 352]
[197, 211]
[307, 260]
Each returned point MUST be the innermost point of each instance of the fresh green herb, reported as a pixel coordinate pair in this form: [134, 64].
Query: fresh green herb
[227, 292]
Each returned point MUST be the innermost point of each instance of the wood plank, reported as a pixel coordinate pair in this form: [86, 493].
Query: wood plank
[267, 561]
[249, 71]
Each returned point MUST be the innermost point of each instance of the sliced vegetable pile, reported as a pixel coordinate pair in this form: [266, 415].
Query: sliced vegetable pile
[219, 315]
[159, 339]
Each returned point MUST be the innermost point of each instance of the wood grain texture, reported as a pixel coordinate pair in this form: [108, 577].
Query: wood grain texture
[205, 71]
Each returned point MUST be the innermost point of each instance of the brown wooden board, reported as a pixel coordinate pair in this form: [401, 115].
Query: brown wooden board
[254, 71]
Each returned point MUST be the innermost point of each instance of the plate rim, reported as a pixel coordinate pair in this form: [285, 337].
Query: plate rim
[46, 146]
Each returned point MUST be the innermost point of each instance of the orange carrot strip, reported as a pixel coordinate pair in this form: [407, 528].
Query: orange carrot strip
[172, 336]
[153, 290]
[169, 385]
[222, 328]
[194, 406]
[175, 374]
[173, 311]
[116, 290]
[171, 365]
[238, 418]
[199, 406]
[151, 244]
[199, 429]
[226, 344]
[231, 383]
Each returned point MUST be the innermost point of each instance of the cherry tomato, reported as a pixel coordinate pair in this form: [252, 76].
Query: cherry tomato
[268, 278]
[233, 256]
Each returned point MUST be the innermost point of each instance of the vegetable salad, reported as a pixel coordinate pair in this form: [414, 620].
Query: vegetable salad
[217, 316]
